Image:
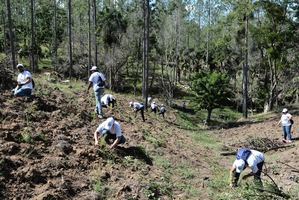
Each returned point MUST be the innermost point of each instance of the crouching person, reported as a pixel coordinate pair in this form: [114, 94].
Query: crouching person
[138, 107]
[108, 100]
[111, 131]
[162, 110]
[154, 107]
[25, 86]
[247, 158]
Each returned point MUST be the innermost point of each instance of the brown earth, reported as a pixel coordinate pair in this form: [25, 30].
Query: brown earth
[47, 152]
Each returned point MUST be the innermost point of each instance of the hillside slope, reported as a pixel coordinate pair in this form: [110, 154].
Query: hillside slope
[47, 151]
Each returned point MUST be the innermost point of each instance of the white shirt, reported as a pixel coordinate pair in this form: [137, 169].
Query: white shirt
[105, 99]
[115, 129]
[255, 158]
[94, 78]
[22, 78]
[154, 106]
[285, 119]
[137, 106]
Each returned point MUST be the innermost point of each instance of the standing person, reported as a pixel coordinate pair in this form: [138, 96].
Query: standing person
[108, 100]
[111, 130]
[24, 86]
[162, 110]
[285, 121]
[154, 107]
[138, 107]
[97, 81]
[247, 158]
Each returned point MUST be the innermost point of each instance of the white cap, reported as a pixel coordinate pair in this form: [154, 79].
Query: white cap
[239, 164]
[131, 103]
[93, 68]
[284, 110]
[109, 123]
[20, 65]
[154, 102]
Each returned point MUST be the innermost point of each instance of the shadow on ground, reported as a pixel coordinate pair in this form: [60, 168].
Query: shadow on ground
[136, 152]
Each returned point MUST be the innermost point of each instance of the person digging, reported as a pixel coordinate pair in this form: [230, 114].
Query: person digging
[247, 158]
[110, 129]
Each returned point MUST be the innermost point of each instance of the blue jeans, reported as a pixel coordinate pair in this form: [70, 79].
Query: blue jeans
[98, 94]
[287, 132]
[23, 92]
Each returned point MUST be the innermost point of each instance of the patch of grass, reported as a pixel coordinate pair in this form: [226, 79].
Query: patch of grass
[206, 140]
[150, 138]
[155, 190]
[162, 162]
[191, 192]
[26, 136]
[186, 172]
[101, 189]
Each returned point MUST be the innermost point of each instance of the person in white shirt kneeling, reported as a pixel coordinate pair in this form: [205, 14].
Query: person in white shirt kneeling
[25, 86]
[110, 129]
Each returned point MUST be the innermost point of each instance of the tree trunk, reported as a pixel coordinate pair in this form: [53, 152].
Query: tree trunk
[54, 58]
[11, 35]
[89, 38]
[245, 73]
[209, 114]
[95, 32]
[146, 11]
[208, 33]
[70, 37]
[33, 48]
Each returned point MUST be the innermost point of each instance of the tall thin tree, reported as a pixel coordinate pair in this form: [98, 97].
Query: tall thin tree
[70, 37]
[95, 32]
[11, 34]
[33, 45]
[54, 47]
[146, 18]
[89, 37]
[245, 71]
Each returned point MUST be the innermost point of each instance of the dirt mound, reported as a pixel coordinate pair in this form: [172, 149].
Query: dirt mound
[47, 152]
[7, 80]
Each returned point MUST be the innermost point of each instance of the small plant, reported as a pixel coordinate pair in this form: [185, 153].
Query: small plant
[27, 138]
[101, 189]
[155, 190]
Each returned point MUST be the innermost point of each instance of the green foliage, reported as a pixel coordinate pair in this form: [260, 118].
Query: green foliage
[212, 90]
[155, 190]
[101, 189]
[155, 141]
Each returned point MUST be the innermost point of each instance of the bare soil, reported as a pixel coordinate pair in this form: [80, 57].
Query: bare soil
[47, 152]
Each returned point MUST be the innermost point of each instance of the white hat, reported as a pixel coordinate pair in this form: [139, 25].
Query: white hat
[284, 110]
[93, 68]
[20, 65]
[109, 123]
[239, 164]
[131, 103]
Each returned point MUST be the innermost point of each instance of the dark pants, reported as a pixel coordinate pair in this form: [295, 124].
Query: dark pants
[141, 112]
[154, 110]
[162, 113]
[110, 138]
[257, 175]
[111, 102]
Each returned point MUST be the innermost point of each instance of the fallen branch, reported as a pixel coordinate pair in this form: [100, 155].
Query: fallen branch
[281, 147]
[294, 169]
[228, 153]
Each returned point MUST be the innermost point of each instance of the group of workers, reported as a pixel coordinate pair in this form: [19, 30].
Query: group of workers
[110, 129]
